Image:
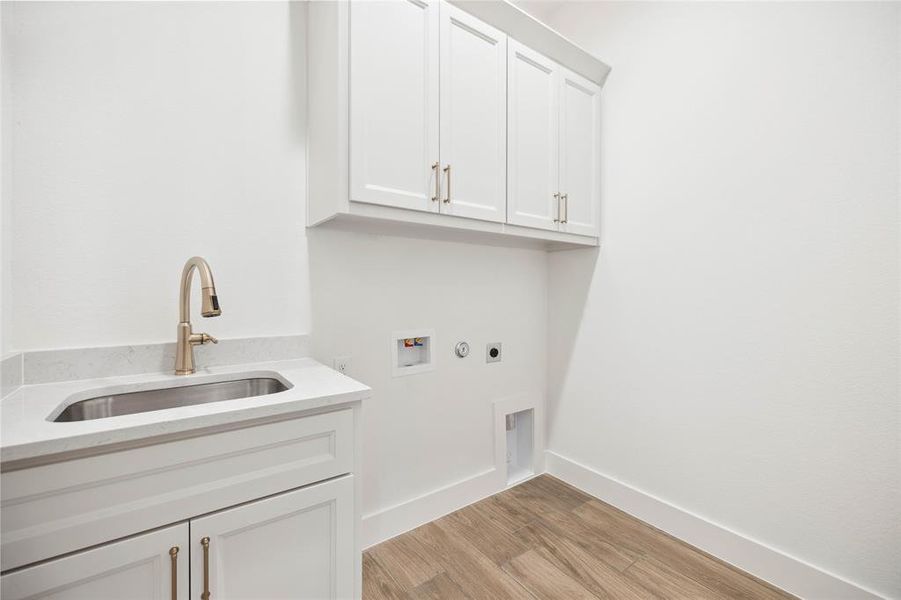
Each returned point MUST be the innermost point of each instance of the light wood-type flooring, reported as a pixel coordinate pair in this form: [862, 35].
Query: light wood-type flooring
[544, 539]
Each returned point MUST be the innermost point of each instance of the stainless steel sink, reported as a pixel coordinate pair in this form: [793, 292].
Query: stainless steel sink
[187, 395]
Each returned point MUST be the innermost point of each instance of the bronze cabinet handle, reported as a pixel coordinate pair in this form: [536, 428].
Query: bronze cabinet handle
[557, 198]
[437, 182]
[173, 558]
[205, 542]
[447, 171]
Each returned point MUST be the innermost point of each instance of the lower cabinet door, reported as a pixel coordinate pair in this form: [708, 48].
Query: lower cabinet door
[150, 566]
[297, 545]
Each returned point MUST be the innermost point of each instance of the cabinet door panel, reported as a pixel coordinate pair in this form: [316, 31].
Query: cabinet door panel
[393, 102]
[137, 568]
[473, 116]
[297, 545]
[532, 133]
[580, 161]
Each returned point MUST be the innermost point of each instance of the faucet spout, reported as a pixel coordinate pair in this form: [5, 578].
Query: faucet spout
[209, 300]
[187, 339]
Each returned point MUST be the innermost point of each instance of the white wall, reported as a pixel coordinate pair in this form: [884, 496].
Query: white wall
[5, 200]
[149, 132]
[433, 429]
[146, 133]
[733, 348]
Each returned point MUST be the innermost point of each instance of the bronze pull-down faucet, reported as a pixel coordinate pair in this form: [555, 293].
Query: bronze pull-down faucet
[184, 350]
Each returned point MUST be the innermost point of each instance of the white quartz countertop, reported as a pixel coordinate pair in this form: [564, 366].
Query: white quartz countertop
[27, 432]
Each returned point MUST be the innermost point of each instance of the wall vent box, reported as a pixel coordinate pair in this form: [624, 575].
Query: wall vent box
[412, 351]
[519, 446]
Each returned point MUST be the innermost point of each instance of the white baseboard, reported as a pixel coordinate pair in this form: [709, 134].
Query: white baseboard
[400, 518]
[784, 571]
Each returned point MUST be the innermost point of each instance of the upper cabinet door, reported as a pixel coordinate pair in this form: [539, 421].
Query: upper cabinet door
[297, 545]
[394, 103]
[532, 118]
[150, 566]
[580, 154]
[473, 111]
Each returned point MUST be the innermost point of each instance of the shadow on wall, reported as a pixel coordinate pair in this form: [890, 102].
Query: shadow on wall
[340, 270]
[572, 270]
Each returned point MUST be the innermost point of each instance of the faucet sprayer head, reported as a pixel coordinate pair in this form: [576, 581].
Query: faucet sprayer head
[209, 303]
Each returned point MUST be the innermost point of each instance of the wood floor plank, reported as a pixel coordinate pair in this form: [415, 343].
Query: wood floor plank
[408, 563]
[504, 511]
[637, 536]
[629, 535]
[556, 487]
[667, 584]
[378, 583]
[476, 575]
[541, 497]
[545, 539]
[569, 526]
[540, 534]
[544, 580]
[440, 587]
[592, 571]
[495, 543]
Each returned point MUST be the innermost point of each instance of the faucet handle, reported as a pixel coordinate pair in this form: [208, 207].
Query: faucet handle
[202, 338]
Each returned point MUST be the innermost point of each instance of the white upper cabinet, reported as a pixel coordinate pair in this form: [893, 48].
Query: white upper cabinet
[553, 168]
[151, 566]
[295, 545]
[533, 117]
[473, 116]
[580, 154]
[394, 103]
[451, 119]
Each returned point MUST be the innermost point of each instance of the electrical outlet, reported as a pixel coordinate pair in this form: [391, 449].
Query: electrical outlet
[493, 352]
[341, 364]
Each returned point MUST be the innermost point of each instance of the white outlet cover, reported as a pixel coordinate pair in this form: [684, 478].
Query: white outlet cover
[341, 364]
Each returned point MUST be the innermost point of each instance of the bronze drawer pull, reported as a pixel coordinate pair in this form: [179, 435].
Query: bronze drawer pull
[205, 542]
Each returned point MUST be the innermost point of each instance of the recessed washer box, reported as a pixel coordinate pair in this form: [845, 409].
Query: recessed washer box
[520, 428]
[412, 351]
[518, 438]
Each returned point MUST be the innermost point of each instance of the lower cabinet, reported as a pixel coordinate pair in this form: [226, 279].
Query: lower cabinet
[297, 545]
[150, 566]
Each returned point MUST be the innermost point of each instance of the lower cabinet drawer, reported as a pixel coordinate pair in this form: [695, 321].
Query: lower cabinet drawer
[62, 507]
